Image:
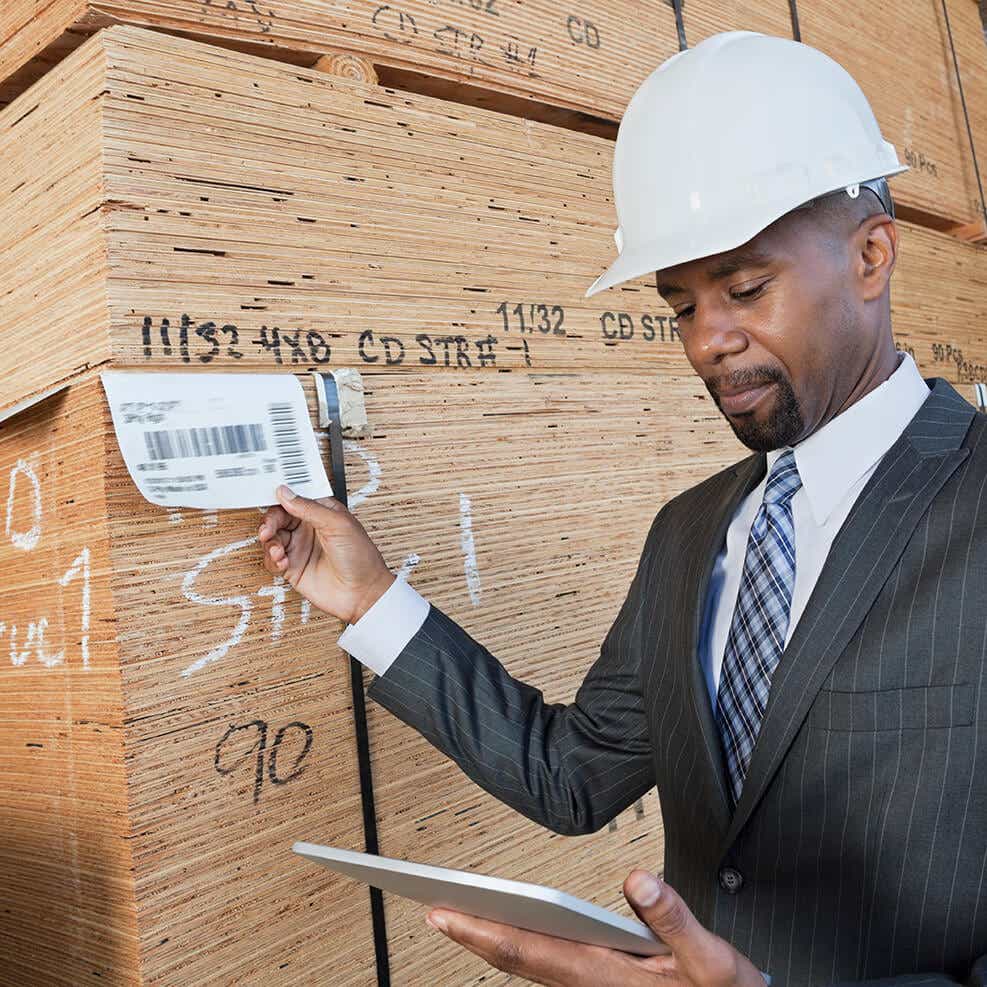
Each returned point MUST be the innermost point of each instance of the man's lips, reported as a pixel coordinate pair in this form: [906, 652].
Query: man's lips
[737, 400]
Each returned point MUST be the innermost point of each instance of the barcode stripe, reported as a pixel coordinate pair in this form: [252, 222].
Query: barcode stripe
[291, 453]
[209, 440]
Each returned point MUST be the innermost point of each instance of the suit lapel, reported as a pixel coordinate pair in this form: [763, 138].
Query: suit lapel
[739, 480]
[861, 558]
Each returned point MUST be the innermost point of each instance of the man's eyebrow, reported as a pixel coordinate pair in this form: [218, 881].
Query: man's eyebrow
[722, 269]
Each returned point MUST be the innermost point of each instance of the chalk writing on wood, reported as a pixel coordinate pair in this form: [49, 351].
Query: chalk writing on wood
[456, 41]
[582, 32]
[394, 24]
[428, 350]
[79, 570]
[919, 162]
[24, 538]
[481, 6]
[468, 547]
[23, 643]
[201, 344]
[277, 590]
[622, 326]
[244, 602]
[23, 524]
[407, 567]
[533, 317]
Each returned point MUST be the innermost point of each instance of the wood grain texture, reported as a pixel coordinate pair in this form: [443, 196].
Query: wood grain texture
[66, 858]
[212, 894]
[700, 20]
[900, 56]
[153, 177]
[578, 68]
[970, 43]
[294, 219]
[589, 59]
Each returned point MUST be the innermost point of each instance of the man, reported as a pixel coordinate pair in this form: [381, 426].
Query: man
[798, 664]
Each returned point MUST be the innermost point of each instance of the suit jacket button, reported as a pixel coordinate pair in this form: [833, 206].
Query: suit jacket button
[731, 880]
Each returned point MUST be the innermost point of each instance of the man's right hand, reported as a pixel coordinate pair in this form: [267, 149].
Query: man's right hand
[324, 552]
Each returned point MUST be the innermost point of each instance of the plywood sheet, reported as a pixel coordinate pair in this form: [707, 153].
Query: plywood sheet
[407, 238]
[589, 59]
[701, 19]
[148, 817]
[900, 56]
[201, 698]
[546, 62]
[65, 856]
[967, 30]
[213, 210]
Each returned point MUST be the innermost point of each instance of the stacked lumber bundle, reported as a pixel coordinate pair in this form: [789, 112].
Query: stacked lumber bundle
[298, 219]
[565, 59]
[203, 210]
[902, 58]
[579, 69]
[172, 718]
[968, 33]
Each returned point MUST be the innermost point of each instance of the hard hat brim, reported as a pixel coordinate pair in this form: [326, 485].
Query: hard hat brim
[658, 254]
[628, 265]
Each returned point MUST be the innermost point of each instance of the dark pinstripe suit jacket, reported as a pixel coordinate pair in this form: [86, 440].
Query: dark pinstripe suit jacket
[861, 832]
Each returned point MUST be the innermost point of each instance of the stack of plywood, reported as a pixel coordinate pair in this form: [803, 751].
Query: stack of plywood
[579, 68]
[901, 56]
[565, 59]
[201, 209]
[916, 97]
[172, 718]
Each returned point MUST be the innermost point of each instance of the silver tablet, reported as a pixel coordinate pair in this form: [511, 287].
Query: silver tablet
[528, 906]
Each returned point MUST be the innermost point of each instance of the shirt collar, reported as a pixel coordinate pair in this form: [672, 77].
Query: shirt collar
[835, 456]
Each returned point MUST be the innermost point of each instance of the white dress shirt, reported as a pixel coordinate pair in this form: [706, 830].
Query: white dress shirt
[835, 463]
[380, 635]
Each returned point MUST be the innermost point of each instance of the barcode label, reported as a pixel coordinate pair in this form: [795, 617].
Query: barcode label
[211, 440]
[291, 453]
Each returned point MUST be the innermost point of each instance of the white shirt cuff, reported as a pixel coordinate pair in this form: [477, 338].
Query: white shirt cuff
[381, 634]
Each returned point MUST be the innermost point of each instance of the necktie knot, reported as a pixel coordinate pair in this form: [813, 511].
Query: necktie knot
[783, 481]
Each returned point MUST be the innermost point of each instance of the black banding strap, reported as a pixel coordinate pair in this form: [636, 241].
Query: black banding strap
[966, 116]
[330, 409]
[679, 23]
[794, 11]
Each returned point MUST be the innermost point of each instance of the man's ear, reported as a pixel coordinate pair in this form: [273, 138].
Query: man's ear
[878, 254]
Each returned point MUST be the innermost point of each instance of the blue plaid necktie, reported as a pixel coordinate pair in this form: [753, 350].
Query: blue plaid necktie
[760, 621]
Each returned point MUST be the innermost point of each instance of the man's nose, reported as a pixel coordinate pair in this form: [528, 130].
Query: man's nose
[714, 332]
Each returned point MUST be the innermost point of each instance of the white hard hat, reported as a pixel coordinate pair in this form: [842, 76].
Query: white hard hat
[723, 139]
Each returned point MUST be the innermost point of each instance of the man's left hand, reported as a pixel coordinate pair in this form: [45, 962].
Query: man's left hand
[698, 958]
